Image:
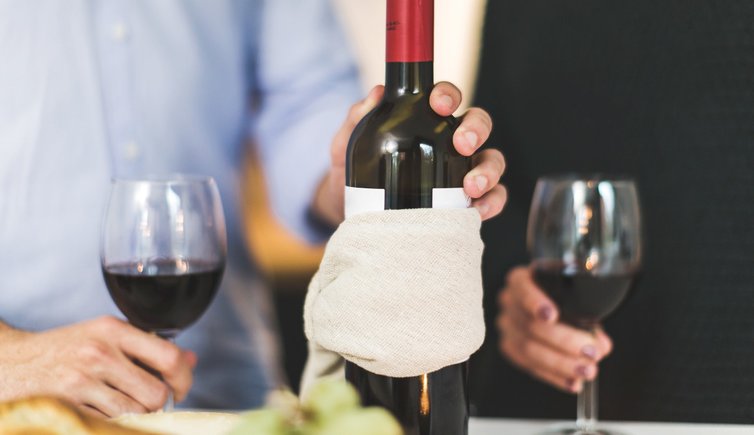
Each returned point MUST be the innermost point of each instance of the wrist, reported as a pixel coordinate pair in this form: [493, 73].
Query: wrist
[5, 329]
[327, 208]
[8, 333]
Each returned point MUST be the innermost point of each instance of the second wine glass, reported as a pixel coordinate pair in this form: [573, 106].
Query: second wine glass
[584, 237]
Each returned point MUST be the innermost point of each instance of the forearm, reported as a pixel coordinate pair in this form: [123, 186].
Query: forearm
[301, 112]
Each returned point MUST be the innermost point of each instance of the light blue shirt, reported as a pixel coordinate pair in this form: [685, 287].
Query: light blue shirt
[91, 89]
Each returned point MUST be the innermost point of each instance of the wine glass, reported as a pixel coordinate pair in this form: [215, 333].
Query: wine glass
[584, 237]
[163, 250]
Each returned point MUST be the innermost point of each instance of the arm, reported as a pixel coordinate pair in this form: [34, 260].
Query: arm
[91, 364]
[305, 86]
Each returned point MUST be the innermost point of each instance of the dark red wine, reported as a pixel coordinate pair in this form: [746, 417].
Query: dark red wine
[401, 156]
[584, 299]
[164, 296]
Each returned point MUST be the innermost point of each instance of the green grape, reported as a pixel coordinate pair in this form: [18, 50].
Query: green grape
[327, 399]
[261, 422]
[367, 421]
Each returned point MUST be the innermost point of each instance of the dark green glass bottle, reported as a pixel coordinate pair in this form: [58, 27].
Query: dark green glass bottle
[401, 156]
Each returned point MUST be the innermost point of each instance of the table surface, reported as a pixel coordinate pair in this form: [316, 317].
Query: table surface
[481, 426]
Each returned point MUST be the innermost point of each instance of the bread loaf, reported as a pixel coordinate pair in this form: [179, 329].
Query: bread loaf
[50, 416]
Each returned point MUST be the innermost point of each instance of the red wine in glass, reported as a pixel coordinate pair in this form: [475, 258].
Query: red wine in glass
[164, 296]
[583, 298]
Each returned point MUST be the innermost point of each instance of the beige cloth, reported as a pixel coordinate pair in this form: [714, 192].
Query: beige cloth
[398, 292]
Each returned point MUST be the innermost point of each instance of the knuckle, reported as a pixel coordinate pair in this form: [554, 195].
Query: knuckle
[571, 343]
[498, 162]
[354, 113]
[484, 119]
[172, 360]
[75, 380]
[501, 156]
[108, 324]
[507, 323]
[503, 191]
[501, 195]
[122, 406]
[488, 119]
[515, 276]
[497, 199]
[94, 352]
[527, 348]
[157, 398]
[354, 109]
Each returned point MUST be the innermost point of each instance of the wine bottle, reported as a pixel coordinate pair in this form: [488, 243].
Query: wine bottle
[401, 156]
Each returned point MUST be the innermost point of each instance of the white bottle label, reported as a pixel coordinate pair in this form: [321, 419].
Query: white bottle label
[363, 200]
[451, 197]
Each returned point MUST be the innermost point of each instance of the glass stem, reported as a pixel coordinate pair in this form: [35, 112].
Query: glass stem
[586, 420]
[587, 401]
[169, 405]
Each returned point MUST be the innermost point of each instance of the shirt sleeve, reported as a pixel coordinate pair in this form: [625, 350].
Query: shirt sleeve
[305, 81]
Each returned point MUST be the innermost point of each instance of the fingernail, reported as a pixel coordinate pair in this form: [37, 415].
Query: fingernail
[446, 101]
[472, 138]
[589, 351]
[481, 182]
[585, 372]
[545, 313]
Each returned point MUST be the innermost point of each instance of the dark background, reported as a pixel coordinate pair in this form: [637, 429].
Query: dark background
[662, 91]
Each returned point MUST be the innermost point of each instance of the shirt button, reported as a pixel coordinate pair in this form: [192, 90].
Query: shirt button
[131, 150]
[120, 32]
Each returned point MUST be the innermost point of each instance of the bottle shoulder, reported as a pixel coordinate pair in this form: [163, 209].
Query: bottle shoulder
[407, 121]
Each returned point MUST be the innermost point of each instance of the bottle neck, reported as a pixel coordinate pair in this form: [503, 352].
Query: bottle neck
[410, 47]
[408, 78]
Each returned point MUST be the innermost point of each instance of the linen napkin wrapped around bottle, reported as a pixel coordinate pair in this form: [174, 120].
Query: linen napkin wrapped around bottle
[398, 292]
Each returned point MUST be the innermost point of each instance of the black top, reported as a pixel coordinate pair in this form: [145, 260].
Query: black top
[662, 91]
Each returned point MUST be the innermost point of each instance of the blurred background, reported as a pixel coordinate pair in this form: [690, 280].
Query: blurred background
[660, 91]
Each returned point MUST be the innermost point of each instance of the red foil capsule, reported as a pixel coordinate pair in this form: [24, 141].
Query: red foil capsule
[410, 30]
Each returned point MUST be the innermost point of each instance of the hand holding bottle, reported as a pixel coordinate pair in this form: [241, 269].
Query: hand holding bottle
[481, 183]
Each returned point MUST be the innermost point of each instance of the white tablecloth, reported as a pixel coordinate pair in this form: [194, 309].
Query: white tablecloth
[530, 427]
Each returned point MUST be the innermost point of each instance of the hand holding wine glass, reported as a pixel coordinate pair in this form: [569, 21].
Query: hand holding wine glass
[535, 339]
[91, 364]
[163, 252]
